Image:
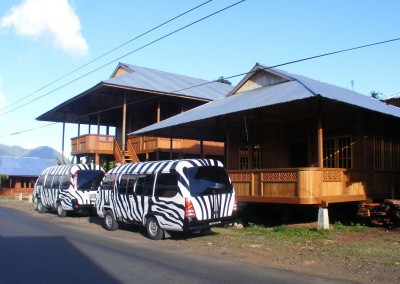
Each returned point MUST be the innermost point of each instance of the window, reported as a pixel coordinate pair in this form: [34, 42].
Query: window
[40, 181]
[166, 185]
[386, 153]
[56, 182]
[123, 182]
[108, 182]
[48, 181]
[244, 157]
[208, 181]
[144, 185]
[337, 152]
[131, 184]
[65, 182]
[89, 179]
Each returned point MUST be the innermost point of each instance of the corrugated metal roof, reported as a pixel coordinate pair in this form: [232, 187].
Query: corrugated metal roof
[164, 82]
[23, 166]
[298, 88]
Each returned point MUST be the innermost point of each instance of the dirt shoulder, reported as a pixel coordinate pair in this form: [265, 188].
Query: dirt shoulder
[365, 256]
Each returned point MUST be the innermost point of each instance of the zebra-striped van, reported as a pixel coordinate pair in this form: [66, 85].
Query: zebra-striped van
[181, 195]
[68, 188]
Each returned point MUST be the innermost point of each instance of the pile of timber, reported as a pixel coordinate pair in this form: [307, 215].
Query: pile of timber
[386, 213]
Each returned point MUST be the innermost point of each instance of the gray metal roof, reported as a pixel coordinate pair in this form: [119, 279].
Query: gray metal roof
[297, 88]
[23, 166]
[164, 82]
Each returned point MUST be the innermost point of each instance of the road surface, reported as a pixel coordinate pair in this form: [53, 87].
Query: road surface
[34, 249]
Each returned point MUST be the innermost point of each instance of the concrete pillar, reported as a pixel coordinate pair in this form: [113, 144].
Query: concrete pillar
[323, 219]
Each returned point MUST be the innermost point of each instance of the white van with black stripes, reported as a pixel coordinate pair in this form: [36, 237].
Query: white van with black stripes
[164, 196]
[68, 188]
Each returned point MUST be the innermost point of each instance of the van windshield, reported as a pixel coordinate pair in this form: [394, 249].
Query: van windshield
[89, 179]
[208, 181]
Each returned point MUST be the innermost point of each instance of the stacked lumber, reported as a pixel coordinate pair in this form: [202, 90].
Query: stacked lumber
[386, 213]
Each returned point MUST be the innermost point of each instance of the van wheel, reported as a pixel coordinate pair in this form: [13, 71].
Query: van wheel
[153, 229]
[60, 211]
[40, 207]
[109, 221]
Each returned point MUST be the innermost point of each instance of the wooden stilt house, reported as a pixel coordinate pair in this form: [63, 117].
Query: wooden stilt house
[294, 140]
[134, 97]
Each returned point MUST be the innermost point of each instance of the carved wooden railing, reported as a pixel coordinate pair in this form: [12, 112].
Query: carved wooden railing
[299, 185]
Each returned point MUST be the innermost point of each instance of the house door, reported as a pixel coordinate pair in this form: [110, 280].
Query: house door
[299, 154]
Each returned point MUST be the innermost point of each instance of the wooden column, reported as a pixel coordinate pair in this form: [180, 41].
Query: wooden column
[123, 124]
[62, 144]
[226, 149]
[320, 143]
[158, 111]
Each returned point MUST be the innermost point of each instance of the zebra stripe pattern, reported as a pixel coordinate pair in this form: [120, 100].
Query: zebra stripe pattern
[50, 196]
[169, 211]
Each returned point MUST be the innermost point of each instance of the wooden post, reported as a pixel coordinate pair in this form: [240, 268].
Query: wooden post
[170, 145]
[320, 143]
[226, 149]
[62, 144]
[201, 148]
[123, 123]
[158, 111]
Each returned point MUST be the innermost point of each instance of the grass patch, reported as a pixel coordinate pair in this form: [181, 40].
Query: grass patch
[354, 227]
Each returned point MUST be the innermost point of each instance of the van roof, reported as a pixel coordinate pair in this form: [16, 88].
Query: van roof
[163, 166]
[70, 169]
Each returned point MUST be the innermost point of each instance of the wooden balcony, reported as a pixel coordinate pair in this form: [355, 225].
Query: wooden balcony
[299, 185]
[92, 144]
[149, 144]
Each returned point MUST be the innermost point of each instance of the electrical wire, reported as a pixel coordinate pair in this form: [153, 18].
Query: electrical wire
[234, 76]
[108, 52]
[129, 53]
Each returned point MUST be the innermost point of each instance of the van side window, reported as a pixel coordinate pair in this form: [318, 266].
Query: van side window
[166, 185]
[144, 185]
[121, 185]
[140, 185]
[148, 186]
[65, 182]
[48, 181]
[40, 181]
[56, 182]
[131, 184]
[108, 182]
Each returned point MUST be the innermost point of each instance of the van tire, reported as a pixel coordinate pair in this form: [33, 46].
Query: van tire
[109, 221]
[40, 207]
[153, 229]
[60, 210]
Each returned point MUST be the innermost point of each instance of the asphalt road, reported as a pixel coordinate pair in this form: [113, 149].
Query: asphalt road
[38, 250]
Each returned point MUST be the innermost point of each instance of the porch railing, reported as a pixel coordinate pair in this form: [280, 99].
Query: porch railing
[299, 185]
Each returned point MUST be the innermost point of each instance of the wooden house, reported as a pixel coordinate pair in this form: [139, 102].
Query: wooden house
[132, 98]
[19, 174]
[294, 140]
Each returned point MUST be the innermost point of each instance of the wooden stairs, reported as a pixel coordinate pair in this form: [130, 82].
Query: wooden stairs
[128, 156]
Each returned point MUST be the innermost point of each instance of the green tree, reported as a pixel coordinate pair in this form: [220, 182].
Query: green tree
[223, 80]
[376, 95]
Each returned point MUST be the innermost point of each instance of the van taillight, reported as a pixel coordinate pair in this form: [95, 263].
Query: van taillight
[235, 206]
[189, 209]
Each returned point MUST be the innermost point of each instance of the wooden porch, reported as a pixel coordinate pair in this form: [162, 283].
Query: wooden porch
[106, 145]
[313, 186]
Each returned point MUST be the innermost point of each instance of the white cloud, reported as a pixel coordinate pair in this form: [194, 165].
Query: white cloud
[48, 19]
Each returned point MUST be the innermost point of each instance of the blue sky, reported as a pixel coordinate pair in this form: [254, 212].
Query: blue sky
[43, 40]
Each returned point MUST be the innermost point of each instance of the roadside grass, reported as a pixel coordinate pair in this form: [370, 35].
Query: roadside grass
[6, 197]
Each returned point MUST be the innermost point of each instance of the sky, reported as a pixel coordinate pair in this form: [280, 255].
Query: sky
[50, 49]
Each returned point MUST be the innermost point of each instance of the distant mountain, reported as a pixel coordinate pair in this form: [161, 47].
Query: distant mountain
[42, 152]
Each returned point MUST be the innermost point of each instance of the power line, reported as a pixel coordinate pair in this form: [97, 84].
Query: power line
[27, 130]
[129, 53]
[108, 52]
[241, 74]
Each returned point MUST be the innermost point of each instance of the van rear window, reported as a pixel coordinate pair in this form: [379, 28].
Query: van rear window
[208, 181]
[89, 179]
